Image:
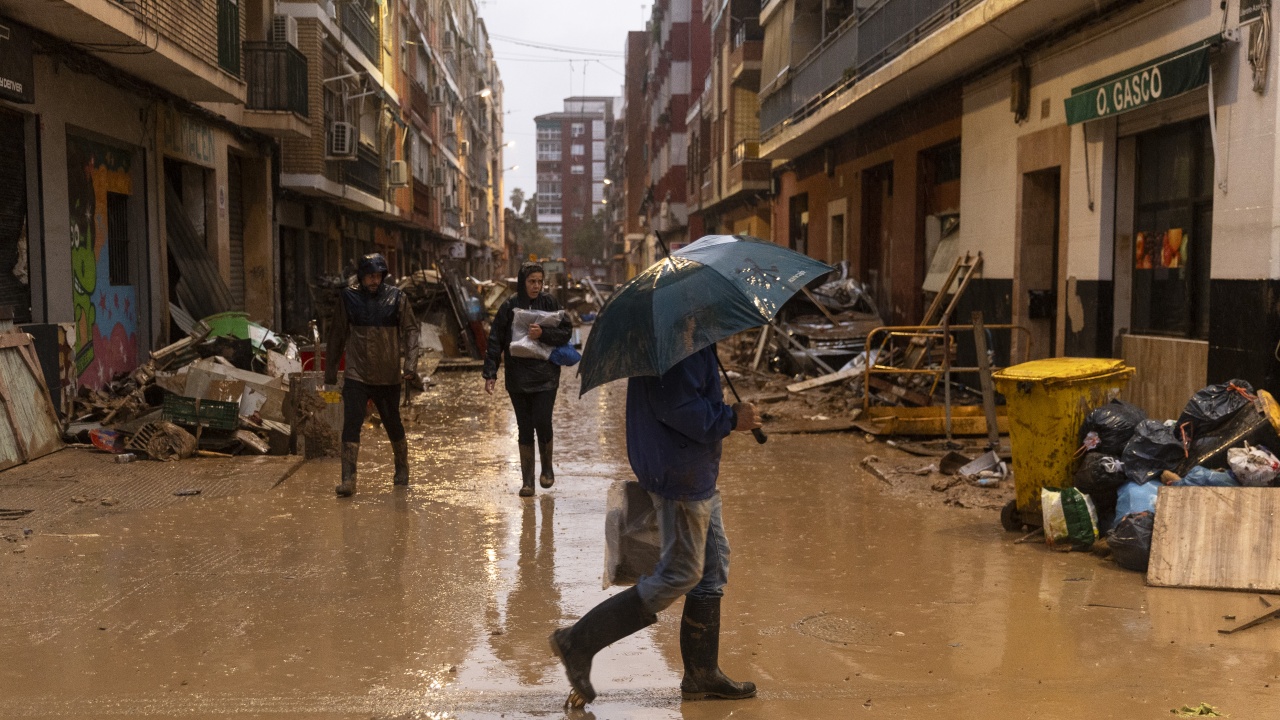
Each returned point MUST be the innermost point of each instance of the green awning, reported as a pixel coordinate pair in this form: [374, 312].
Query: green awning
[1165, 77]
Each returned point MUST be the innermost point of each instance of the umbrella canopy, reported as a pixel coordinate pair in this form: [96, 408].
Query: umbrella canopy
[698, 295]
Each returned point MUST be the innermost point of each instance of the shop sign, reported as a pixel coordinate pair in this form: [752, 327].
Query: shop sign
[186, 138]
[17, 76]
[1165, 77]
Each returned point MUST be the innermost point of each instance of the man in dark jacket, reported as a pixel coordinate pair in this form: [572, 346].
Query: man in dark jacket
[675, 425]
[374, 325]
[531, 383]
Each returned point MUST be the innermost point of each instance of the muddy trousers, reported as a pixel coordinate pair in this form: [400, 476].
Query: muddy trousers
[355, 398]
[695, 552]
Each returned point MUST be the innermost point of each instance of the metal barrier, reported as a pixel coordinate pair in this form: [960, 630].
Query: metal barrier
[922, 338]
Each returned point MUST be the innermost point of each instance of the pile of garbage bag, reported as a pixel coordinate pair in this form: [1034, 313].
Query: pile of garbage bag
[1228, 435]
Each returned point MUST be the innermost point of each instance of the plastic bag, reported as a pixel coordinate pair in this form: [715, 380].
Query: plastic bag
[1112, 424]
[1200, 476]
[1130, 541]
[1152, 450]
[1253, 465]
[1135, 498]
[565, 355]
[1212, 406]
[1069, 518]
[524, 346]
[1100, 476]
[631, 541]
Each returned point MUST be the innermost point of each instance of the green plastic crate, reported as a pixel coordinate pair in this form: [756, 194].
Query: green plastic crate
[213, 414]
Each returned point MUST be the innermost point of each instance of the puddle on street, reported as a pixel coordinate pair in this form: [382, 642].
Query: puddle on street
[436, 602]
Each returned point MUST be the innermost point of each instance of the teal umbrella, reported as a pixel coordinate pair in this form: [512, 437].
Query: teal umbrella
[698, 295]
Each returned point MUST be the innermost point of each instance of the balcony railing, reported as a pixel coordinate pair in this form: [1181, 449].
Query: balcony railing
[862, 44]
[362, 31]
[365, 172]
[276, 74]
[452, 219]
[229, 36]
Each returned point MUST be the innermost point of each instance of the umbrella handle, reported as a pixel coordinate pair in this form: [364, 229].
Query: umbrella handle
[757, 432]
[760, 436]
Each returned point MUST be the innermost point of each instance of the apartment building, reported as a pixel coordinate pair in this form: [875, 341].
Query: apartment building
[678, 54]
[170, 159]
[1102, 157]
[572, 156]
[728, 189]
[110, 142]
[632, 186]
[404, 151]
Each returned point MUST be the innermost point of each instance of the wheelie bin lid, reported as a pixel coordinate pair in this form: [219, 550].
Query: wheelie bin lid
[1062, 370]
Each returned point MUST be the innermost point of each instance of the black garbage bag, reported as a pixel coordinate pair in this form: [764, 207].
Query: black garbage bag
[1213, 406]
[1100, 477]
[1130, 541]
[1114, 424]
[1152, 450]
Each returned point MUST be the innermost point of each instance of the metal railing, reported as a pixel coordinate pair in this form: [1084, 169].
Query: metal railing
[923, 340]
[229, 36]
[276, 74]
[363, 32]
[862, 44]
[365, 172]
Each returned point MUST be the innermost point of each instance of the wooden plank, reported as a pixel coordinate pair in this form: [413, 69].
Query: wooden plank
[14, 339]
[1269, 611]
[1169, 370]
[10, 402]
[760, 346]
[900, 392]
[36, 428]
[813, 426]
[1218, 538]
[821, 308]
[845, 374]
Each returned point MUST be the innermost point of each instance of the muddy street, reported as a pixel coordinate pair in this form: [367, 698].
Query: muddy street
[437, 601]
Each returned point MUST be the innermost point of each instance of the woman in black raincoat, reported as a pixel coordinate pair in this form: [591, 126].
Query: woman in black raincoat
[531, 383]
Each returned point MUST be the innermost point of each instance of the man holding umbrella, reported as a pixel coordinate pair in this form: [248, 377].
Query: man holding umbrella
[660, 331]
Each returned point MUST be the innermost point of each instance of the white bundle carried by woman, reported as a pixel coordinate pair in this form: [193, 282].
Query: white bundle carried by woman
[524, 346]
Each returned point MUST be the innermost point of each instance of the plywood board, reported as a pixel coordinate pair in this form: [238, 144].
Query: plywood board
[28, 422]
[1219, 538]
[1169, 372]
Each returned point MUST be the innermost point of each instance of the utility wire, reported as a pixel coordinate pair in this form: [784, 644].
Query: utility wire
[557, 48]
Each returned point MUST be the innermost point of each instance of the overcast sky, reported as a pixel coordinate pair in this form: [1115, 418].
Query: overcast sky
[536, 80]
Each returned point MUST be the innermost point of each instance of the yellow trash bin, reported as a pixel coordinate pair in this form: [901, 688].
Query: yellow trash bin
[1048, 401]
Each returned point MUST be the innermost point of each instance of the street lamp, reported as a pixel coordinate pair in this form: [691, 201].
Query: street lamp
[513, 167]
[607, 181]
[484, 93]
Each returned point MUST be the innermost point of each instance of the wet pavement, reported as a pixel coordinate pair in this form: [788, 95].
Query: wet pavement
[844, 600]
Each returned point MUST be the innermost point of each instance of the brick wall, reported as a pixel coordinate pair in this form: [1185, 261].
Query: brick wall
[306, 156]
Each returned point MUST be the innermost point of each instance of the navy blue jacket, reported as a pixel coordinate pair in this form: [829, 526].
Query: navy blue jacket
[675, 425]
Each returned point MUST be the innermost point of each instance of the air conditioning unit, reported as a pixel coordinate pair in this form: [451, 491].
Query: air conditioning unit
[284, 29]
[399, 173]
[342, 140]
[437, 175]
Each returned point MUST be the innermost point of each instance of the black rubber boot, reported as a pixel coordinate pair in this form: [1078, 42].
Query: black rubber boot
[700, 650]
[526, 470]
[350, 453]
[610, 621]
[401, 450]
[548, 477]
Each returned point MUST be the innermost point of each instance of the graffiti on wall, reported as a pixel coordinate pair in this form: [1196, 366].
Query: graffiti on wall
[106, 315]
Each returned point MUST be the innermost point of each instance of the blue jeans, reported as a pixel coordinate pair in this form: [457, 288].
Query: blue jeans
[695, 553]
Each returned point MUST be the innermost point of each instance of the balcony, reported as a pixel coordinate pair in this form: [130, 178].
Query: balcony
[199, 71]
[452, 219]
[363, 32]
[365, 172]
[277, 99]
[896, 50]
[420, 102]
[745, 54]
[229, 36]
[747, 175]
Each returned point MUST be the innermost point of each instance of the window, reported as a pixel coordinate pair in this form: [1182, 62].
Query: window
[597, 128]
[118, 237]
[597, 192]
[578, 129]
[577, 150]
[577, 169]
[549, 151]
[549, 133]
[597, 150]
[1173, 219]
[597, 171]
